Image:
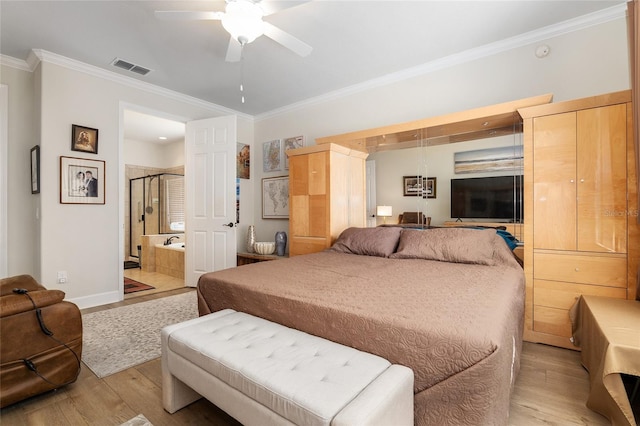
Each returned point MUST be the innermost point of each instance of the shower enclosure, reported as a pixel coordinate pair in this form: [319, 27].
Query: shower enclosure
[156, 206]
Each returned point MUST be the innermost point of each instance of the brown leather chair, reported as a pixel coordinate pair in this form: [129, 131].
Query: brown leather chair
[40, 339]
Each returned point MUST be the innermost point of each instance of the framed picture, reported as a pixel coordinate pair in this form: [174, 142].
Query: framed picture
[291, 143]
[84, 139]
[412, 186]
[430, 187]
[275, 197]
[81, 181]
[419, 186]
[271, 156]
[501, 159]
[35, 169]
[243, 161]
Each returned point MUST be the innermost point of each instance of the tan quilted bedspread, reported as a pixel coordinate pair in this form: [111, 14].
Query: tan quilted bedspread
[458, 326]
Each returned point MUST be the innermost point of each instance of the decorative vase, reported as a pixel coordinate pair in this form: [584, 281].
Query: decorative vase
[281, 242]
[251, 238]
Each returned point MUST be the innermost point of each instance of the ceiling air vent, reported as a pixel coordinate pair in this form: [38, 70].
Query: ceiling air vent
[117, 62]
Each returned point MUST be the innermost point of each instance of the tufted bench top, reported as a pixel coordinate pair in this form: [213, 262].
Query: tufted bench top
[301, 377]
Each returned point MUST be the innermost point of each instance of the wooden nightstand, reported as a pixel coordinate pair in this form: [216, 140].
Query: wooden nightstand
[247, 258]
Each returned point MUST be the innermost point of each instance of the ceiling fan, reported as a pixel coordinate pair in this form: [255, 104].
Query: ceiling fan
[243, 21]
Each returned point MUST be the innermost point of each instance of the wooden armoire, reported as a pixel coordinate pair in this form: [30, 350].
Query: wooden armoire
[326, 195]
[581, 234]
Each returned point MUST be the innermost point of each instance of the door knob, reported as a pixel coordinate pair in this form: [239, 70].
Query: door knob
[230, 224]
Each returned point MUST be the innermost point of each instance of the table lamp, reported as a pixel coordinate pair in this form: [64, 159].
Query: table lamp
[384, 212]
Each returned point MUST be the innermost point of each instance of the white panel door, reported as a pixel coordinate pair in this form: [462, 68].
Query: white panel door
[370, 166]
[210, 196]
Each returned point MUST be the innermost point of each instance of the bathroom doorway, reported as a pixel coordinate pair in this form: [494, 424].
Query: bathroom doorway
[156, 206]
[153, 164]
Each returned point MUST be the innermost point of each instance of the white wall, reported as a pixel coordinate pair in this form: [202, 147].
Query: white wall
[89, 234]
[139, 153]
[149, 154]
[173, 154]
[23, 134]
[588, 62]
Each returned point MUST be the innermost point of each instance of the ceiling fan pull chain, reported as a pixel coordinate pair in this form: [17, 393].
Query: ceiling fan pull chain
[242, 72]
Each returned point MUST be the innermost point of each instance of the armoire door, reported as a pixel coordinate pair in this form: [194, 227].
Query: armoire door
[602, 179]
[554, 187]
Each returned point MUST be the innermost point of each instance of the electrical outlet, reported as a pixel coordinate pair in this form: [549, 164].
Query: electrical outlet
[62, 277]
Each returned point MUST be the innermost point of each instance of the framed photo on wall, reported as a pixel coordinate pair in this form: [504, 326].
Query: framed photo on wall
[271, 156]
[243, 161]
[291, 143]
[419, 186]
[430, 187]
[35, 169]
[84, 139]
[275, 198]
[412, 186]
[81, 181]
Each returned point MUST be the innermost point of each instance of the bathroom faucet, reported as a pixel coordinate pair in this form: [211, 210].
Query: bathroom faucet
[168, 241]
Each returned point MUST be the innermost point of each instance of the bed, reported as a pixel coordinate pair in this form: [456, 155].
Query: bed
[446, 302]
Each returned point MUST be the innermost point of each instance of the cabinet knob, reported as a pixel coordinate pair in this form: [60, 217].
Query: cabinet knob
[572, 181]
[577, 269]
[581, 180]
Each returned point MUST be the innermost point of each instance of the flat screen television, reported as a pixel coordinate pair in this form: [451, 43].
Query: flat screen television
[498, 197]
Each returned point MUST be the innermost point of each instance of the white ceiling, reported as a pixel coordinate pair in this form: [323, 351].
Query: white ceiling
[353, 41]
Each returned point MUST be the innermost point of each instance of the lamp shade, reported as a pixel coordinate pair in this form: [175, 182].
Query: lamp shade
[384, 211]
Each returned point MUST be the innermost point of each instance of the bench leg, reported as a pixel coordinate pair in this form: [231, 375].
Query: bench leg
[175, 394]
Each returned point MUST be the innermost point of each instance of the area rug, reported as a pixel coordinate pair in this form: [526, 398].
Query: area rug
[132, 286]
[120, 338]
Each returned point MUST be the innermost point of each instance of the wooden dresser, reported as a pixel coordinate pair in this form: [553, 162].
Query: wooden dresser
[580, 197]
[326, 195]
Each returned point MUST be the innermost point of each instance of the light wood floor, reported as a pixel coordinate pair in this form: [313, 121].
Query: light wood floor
[161, 282]
[551, 389]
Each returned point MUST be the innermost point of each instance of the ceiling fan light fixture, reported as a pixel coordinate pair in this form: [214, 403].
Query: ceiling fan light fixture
[243, 20]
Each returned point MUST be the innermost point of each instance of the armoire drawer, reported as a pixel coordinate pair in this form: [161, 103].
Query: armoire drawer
[551, 321]
[563, 295]
[601, 270]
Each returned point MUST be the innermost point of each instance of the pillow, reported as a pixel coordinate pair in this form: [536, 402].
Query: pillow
[381, 241]
[459, 245]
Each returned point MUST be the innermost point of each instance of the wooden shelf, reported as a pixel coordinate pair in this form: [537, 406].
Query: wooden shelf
[479, 123]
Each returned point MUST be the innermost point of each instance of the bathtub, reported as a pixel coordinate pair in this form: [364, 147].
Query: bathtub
[170, 259]
[172, 246]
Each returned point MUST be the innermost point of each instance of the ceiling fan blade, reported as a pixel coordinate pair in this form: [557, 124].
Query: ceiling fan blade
[287, 40]
[271, 7]
[185, 15]
[234, 51]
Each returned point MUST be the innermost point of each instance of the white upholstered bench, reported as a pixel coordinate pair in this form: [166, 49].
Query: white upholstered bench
[263, 373]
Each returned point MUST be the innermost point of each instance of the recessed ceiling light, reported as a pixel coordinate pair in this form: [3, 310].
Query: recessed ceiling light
[162, 138]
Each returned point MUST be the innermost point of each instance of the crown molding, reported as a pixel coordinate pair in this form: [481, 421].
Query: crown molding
[38, 55]
[565, 27]
[12, 62]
